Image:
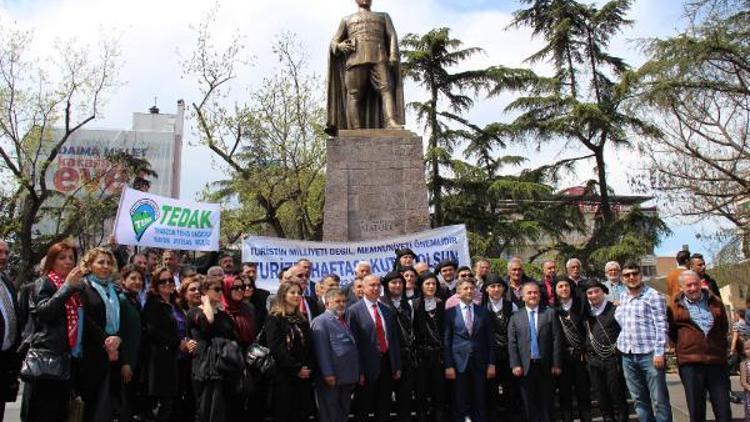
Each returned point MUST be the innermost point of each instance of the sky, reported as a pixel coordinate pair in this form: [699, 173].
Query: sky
[155, 36]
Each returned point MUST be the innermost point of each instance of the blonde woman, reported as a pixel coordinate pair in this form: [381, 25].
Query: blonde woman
[99, 367]
[289, 339]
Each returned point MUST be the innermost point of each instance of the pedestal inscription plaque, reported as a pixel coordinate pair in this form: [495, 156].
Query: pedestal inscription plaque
[375, 185]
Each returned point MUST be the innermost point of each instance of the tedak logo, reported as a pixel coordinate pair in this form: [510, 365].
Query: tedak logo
[143, 214]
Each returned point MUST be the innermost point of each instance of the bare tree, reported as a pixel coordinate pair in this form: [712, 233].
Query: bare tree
[696, 83]
[272, 144]
[43, 102]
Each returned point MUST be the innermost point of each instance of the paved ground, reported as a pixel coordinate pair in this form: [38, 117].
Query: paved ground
[676, 394]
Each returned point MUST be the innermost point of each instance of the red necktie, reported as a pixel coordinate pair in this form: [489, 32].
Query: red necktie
[380, 331]
[303, 309]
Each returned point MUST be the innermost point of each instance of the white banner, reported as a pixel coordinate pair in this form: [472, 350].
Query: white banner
[432, 246]
[84, 158]
[145, 219]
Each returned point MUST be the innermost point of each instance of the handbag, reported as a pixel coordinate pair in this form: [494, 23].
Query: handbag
[45, 365]
[229, 357]
[259, 358]
[75, 410]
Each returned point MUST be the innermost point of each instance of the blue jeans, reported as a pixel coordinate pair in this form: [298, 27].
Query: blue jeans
[648, 386]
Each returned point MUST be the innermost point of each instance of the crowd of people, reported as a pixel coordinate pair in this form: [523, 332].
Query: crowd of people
[142, 337]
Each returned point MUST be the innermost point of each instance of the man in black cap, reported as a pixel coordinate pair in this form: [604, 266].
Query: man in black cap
[500, 311]
[393, 285]
[447, 277]
[405, 257]
[604, 366]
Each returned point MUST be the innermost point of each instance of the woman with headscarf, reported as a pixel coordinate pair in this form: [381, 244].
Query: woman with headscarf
[54, 307]
[98, 376]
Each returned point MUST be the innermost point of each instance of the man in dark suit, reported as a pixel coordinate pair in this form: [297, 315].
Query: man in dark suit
[10, 334]
[535, 353]
[300, 275]
[337, 357]
[468, 353]
[374, 327]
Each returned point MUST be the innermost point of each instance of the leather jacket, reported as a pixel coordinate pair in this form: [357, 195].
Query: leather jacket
[47, 310]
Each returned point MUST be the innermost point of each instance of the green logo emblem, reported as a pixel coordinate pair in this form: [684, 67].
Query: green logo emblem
[143, 214]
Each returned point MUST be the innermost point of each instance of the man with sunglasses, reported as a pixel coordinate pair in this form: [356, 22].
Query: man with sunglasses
[642, 314]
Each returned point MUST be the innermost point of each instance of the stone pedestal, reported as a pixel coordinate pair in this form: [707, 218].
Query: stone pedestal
[375, 185]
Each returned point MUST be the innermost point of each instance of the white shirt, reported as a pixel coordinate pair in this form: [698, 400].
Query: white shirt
[596, 311]
[430, 304]
[372, 316]
[464, 307]
[566, 306]
[7, 340]
[496, 306]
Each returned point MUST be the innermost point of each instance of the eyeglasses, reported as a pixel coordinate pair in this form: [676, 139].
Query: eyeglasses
[630, 274]
[238, 288]
[166, 281]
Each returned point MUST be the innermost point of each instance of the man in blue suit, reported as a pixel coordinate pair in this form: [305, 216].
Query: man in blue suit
[374, 328]
[468, 353]
[535, 352]
[338, 359]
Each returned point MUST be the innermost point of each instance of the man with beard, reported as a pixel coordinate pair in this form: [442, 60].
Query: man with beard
[605, 369]
[642, 314]
[614, 282]
[698, 265]
[574, 269]
[393, 283]
[337, 357]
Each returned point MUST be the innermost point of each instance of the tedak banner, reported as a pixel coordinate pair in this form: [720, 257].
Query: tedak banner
[272, 254]
[144, 219]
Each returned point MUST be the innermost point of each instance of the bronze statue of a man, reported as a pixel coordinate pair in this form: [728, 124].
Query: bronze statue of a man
[365, 88]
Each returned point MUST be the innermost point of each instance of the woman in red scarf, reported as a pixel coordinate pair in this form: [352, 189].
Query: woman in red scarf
[54, 308]
[243, 317]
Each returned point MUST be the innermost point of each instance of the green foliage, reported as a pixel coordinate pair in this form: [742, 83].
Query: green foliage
[273, 146]
[428, 60]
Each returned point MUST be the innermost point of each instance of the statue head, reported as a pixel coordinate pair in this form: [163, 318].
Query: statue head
[365, 4]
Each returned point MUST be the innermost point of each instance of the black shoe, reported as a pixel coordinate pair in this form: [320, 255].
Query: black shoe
[735, 398]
